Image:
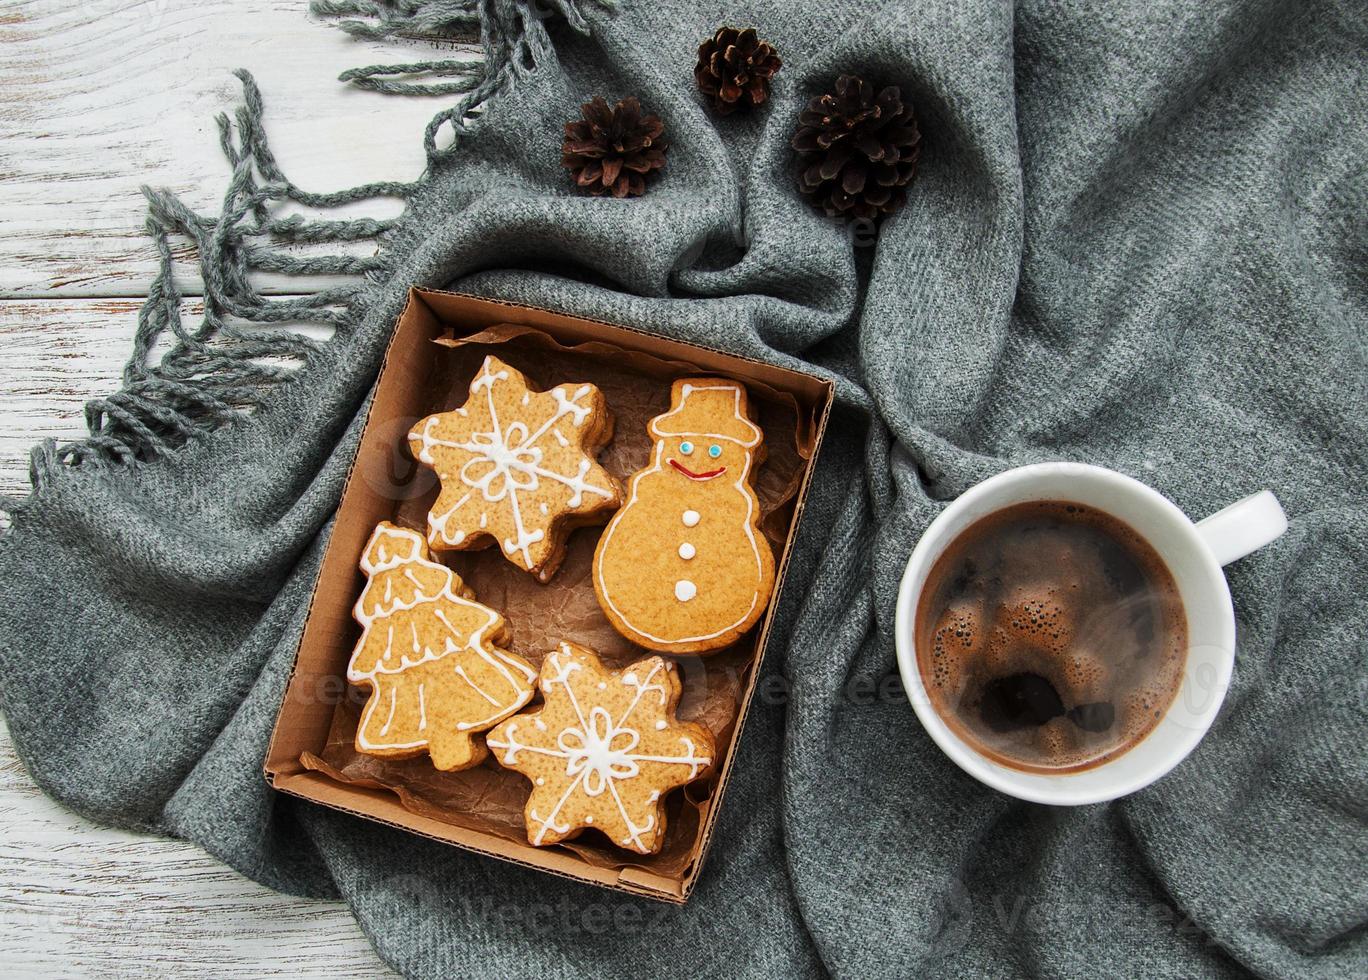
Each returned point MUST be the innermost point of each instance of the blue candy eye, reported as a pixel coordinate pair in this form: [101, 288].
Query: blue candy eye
[686, 447]
[714, 450]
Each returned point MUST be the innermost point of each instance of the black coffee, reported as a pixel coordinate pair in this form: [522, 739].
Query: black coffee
[1050, 636]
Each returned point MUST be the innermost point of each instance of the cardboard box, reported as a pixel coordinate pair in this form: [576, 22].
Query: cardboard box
[439, 341]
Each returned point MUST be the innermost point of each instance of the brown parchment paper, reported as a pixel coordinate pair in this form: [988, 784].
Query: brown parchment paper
[489, 798]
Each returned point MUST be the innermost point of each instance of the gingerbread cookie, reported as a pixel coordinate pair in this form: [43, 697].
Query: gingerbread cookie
[603, 749]
[517, 467]
[428, 654]
[683, 566]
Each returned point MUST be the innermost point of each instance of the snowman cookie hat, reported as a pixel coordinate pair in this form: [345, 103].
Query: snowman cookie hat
[707, 407]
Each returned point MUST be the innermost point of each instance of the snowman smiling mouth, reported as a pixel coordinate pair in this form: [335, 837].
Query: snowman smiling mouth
[696, 476]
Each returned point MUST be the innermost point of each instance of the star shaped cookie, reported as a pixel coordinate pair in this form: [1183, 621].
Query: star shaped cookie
[603, 749]
[517, 467]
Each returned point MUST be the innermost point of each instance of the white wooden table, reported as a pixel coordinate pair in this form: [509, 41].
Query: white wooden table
[101, 97]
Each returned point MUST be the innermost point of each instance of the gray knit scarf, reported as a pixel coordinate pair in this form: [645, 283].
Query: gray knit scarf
[1138, 238]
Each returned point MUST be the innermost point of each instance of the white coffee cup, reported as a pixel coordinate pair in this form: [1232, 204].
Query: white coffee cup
[1194, 553]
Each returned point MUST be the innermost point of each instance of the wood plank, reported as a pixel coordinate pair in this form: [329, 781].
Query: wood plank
[57, 355]
[104, 97]
[81, 900]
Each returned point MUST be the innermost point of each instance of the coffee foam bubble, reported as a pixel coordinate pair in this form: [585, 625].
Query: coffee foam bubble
[955, 645]
[1035, 634]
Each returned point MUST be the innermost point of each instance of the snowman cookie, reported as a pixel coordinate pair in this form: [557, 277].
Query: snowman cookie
[429, 655]
[683, 566]
[517, 467]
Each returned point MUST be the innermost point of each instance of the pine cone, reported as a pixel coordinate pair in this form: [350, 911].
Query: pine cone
[859, 149]
[613, 150]
[734, 69]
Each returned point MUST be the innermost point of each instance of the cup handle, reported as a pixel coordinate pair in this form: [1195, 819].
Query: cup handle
[1243, 527]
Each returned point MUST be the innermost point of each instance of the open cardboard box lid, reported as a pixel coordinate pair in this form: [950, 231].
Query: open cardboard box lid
[404, 393]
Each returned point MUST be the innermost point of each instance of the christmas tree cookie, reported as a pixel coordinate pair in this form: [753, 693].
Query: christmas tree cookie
[683, 566]
[517, 467]
[428, 652]
[603, 749]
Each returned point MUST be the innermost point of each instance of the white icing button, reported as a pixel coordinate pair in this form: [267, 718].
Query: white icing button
[691, 518]
[687, 551]
[685, 590]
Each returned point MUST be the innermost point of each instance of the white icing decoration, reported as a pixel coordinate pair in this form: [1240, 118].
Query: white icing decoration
[660, 725]
[687, 551]
[598, 752]
[395, 547]
[571, 405]
[461, 673]
[691, 518]
[685, 590]
[394, 694]
[508, 461]
[688, 389]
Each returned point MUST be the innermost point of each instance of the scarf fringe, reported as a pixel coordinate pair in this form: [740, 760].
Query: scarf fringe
[215, 372]
[512, 35]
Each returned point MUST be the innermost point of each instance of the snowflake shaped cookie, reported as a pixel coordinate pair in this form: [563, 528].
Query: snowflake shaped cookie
[517, 467]
[603, 749]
